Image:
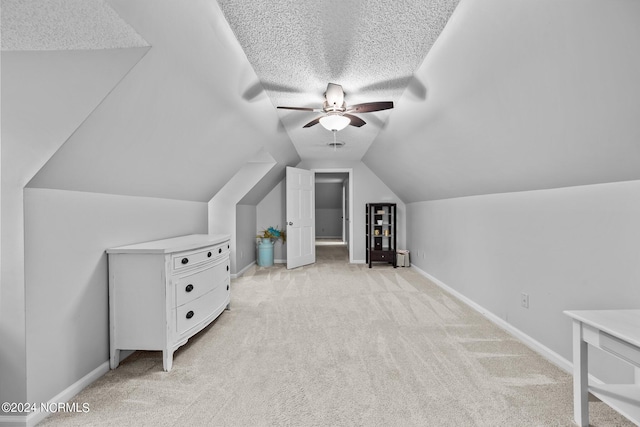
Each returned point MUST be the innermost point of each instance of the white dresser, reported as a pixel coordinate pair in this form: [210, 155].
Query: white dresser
[163, 292]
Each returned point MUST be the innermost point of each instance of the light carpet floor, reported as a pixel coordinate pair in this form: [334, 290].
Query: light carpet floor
[338, 344]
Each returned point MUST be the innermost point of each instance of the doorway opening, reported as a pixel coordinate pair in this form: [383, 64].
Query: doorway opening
[333, 210]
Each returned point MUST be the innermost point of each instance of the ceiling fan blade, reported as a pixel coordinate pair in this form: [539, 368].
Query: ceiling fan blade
[317, 110]
[312, 122]
[355, 121]
[370, 107]
[334, 95]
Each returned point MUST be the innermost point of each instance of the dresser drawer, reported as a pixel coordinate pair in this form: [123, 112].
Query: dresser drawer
[222, 292]
[185, 260]
[191, 314]
[382, 256]
[191, 286]
[221, 271]
[194, 285]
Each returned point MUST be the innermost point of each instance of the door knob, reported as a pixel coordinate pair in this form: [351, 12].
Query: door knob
[290, 223]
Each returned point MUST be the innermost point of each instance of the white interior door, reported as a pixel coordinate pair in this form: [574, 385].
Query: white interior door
[301, 221]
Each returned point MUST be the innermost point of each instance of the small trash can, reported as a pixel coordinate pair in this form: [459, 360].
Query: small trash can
[403, 258]
[265, 253]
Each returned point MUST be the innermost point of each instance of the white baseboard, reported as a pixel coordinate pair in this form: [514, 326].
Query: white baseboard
[536, 346]
[244, 270]
[254, 263]
[64, 396]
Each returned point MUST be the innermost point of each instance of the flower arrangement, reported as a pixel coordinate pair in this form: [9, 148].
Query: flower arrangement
[273, 233]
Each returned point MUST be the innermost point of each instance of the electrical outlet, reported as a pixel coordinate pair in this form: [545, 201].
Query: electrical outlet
[524, 300]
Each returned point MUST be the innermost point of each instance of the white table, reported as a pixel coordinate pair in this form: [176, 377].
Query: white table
[618, 333]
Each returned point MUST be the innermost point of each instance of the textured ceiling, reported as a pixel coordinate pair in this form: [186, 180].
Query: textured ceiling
[371, 48]
[64, 25]
[508, 98]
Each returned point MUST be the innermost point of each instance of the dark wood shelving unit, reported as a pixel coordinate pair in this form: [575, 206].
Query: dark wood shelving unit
[381, 233]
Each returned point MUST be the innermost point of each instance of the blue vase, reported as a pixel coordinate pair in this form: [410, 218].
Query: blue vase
[265, 253]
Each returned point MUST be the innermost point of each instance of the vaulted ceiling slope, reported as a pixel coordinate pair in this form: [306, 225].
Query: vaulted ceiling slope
[59, 61]
[521, 95]
[510, 96]
[370, 47]
[176, 126]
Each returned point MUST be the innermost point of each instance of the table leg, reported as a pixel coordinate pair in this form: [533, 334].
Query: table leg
[580, 377]
[167, 359]
[114, 358]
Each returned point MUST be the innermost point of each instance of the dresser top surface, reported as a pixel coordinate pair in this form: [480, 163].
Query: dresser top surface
[174, 244]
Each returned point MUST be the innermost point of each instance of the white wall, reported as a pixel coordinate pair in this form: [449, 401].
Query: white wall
[568, 248]
[329, 222]
[66, 234]
[245, 236]
[34, 125]
[367, 187]
[271, 212]
[329, 209]
[222, 207]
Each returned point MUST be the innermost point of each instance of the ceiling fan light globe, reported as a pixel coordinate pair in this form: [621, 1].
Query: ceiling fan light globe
[334, 122]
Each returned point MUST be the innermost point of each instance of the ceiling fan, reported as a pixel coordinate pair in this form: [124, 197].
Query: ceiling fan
[337, 115]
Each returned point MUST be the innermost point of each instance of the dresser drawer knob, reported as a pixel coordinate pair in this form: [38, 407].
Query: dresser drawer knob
[227, 287]
[189, 287]
[219, 250]
[208, 254]
[185, 260]
[189, 314]
[227, 268]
